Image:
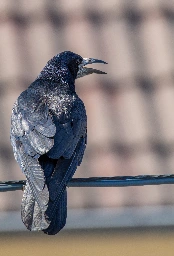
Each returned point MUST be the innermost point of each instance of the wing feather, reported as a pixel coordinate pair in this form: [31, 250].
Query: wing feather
[29, 141]
[48, 129]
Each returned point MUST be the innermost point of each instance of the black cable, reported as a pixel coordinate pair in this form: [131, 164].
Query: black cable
[118, 181]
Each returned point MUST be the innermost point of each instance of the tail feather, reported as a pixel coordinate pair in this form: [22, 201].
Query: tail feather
[54, 171]
[56, 212]
[59, 219]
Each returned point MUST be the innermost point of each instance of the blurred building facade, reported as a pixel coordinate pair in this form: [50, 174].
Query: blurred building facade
[130, 110]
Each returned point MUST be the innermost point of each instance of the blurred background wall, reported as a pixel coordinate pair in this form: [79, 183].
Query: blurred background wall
[130, 110]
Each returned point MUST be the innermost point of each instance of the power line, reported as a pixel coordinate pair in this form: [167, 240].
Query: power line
[118, 181]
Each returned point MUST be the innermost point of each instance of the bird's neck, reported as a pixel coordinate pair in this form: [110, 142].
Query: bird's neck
[60, 79]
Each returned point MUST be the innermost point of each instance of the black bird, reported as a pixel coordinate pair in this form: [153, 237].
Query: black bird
[48, 136]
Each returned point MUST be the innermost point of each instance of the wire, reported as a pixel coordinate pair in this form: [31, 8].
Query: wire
[118, 181]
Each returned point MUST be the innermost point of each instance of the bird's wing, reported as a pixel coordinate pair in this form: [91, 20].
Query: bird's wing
[32, 132]
[68, 131]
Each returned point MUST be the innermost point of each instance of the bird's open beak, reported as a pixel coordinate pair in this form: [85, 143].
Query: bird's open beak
[83, 71]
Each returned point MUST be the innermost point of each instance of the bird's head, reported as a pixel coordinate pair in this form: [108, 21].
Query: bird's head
[77, 65]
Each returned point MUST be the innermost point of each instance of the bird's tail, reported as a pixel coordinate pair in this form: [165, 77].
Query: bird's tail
[56, 217]
[56, 212]
[58, 221]
[57, 175]
[53, 219]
